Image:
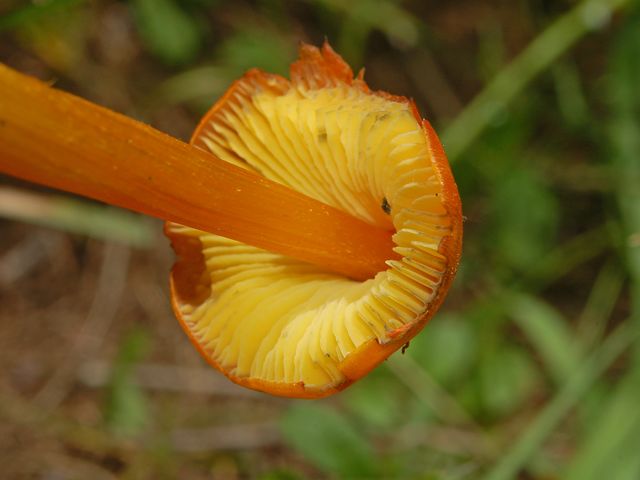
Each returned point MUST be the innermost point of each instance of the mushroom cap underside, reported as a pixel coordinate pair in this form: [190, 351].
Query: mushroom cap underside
[276, 324]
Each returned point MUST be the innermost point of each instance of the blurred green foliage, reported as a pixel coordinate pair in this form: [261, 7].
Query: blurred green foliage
[532, 370]
[23, 15]
[126, 409]
[329, 440]
[167, 31]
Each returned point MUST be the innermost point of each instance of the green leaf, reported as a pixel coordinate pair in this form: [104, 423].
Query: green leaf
[203, 84]
[513, 79]
[168, 32]
[602, 300]
[611, 445]
[329, 441]
[571, 393]
[610, 433]
[622, 88]
[375, 400]
[255, 47]
[572, 103]
[507, 378]
[525, 217]
[446, 349]
[549, 333]
[33, 11]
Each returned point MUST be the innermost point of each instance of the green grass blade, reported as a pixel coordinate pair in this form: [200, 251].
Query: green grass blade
[32, 12]
[126, 411]
[329, 441]
[549, 333]
[512, 80]
[76, 216]
[623, 84]
[602, 299]
[609, 434]
[167, 30]
[425, 388]
[629, 466]
[544, 424]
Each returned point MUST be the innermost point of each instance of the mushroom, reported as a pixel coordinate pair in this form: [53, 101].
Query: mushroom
[276, 324]
[299, 288]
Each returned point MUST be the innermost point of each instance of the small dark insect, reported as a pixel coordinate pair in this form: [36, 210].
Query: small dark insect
[386, 208]
[404, 347]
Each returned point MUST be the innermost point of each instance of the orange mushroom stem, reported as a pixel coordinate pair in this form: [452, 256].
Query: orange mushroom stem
[59, 140]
